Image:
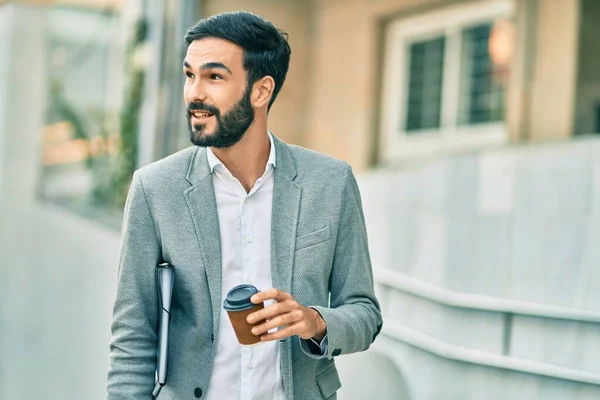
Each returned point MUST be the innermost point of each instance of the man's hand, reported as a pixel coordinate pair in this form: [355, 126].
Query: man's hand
[297, 319]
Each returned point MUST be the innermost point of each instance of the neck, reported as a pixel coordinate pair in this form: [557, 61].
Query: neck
[247, 159]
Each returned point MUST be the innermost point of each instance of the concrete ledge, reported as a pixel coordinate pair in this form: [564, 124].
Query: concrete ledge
[422, 289]
[440, 348]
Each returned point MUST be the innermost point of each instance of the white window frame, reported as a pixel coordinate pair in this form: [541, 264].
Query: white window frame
[396, 143]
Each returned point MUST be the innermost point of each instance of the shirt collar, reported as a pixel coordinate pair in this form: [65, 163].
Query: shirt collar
[213, 160]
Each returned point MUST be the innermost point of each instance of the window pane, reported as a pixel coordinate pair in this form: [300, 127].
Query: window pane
[86, 156]
[425, 84]
[481, 96]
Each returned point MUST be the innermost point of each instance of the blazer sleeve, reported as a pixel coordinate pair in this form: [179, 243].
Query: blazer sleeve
[133, 343]
[354, 316]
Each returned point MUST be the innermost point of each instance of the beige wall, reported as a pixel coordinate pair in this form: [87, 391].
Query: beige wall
[342, 111]
[288, 114]
[521, 71]
[541, 93]
[555, 70]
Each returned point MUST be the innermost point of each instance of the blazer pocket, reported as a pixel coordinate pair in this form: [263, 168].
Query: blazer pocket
[311, 239]
[329, 382]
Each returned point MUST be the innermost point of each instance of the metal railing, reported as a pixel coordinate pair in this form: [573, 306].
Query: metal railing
[424, 290]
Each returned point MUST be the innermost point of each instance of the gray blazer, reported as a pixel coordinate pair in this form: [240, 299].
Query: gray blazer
[319, 254]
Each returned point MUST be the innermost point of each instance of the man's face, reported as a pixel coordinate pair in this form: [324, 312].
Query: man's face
[216, 93]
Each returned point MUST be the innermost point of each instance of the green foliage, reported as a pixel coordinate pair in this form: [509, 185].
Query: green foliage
[111, 173]
[129, 136]
[130, 117]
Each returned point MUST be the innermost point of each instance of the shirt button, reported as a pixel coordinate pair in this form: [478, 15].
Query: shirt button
[250, 366]
[248, 239]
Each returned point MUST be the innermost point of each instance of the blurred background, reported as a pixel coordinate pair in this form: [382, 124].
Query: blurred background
[472, 125]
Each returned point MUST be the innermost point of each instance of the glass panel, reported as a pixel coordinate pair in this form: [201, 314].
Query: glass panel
[481, 95]
[425, 85]
[597, 125]
[89, 137]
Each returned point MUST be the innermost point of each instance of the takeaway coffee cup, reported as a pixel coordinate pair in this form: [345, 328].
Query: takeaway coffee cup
[238, 307]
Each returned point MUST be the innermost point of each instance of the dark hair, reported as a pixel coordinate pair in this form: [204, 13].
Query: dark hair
[266, 49]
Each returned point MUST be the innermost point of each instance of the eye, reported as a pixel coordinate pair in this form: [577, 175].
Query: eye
[189, 74]
[216, 77]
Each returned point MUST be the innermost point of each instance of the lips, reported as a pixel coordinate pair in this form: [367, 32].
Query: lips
[201, 114]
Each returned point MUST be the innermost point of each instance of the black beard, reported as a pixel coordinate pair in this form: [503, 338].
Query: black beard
[229, 130]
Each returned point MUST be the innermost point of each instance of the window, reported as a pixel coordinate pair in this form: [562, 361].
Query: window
[597, 125]
[444, 87]
[84, 150]
[425, 85]
[481, 97]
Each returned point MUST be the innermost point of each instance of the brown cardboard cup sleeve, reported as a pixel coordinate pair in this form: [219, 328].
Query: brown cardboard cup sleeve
[238, 306]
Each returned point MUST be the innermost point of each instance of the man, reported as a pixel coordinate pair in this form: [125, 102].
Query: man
[241, 206]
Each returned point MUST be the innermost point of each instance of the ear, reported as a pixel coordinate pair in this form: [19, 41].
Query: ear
[263, 91]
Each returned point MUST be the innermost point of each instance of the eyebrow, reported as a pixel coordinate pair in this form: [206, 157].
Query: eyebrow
[210, 65]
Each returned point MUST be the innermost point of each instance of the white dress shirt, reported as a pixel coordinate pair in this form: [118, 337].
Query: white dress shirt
[244, 373]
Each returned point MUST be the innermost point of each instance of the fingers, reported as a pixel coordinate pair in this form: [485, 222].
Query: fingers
[272, 311]
[281, 334]
[282, 320]
[271, 294]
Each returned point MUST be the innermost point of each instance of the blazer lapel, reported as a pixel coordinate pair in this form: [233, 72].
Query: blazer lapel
[284, 217]
[284, 221]
[202, 205]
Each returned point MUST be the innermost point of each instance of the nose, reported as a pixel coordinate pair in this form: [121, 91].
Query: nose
[195, 93]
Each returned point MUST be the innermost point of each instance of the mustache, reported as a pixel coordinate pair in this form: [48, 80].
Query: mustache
[201, 106]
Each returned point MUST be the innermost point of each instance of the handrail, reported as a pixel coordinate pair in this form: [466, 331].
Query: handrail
[425, 290]
[440, 348]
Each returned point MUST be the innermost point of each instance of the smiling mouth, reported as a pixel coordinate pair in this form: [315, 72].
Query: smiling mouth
[201, 114]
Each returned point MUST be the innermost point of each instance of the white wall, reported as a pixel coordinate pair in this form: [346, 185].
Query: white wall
[516, 223]
[58, 275]
[6, 13]
[430, 377]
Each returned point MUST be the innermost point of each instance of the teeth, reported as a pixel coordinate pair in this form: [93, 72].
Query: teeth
[201, 115]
